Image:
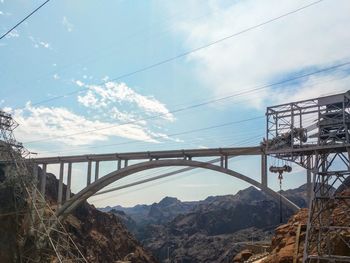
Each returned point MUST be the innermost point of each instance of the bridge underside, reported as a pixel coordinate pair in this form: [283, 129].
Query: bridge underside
[104, 181]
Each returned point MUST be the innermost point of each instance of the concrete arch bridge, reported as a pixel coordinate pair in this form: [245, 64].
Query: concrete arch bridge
[192, 158]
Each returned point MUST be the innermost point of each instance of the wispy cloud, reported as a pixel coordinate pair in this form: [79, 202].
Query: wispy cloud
[59, 123]
[37, 43]
[112, 93]
[298, 42]
[13, 34]
[5, 13]
[67, 25]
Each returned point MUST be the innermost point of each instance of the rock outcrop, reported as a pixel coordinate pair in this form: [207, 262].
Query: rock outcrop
[284, 243]
[101, 237]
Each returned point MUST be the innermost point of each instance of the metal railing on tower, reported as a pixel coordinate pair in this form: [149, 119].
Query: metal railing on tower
[315, 134]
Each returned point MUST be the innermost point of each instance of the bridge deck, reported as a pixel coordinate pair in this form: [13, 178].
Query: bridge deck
[151, 155]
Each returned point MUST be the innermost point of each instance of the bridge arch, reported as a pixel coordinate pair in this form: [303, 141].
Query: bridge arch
[104, 181]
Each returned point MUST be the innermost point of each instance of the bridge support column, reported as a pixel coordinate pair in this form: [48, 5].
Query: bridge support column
[35, 172]
[60, 185]
[69, 181]
[264, 170]
[89, 173]
[43, 180]
[97, 169]
[125, 163]
[119, 164]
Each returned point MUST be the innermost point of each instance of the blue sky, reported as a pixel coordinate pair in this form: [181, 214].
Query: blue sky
[81, 46]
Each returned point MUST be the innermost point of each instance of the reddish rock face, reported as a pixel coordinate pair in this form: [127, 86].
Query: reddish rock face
[242, 256]
[283, 243]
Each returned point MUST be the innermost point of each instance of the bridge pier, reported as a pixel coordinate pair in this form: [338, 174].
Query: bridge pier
[60, 185]
[89, 173]
[224, 161]
[43, 180]
[264, 170]
[97, 169]
[69, 181]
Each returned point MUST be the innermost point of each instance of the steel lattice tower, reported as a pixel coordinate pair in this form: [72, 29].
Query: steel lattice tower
[40, 235]
[315, 134]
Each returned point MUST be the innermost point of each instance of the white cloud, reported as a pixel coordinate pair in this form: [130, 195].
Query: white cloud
[5, 13]
[79, 83]
[312, 38]
[110, 93]
[13, 34]
[67, 25]
[56, 76]
[37, 123]
[44, 44]
[39, 43]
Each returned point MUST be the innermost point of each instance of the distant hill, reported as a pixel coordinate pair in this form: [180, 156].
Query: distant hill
[210, 230]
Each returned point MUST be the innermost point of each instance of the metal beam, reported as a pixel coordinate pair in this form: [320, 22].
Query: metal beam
[308, 180]
[264, 170]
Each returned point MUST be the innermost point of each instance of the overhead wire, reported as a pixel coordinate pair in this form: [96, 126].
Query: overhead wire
[199, 104]
[146, 174]
[149, 180]
[112, 45]
[184, 54]
[24, 19]
[171, 135]
[145, 179]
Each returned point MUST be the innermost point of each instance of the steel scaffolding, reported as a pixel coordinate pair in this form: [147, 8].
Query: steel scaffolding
[40, 236]
[315, 134]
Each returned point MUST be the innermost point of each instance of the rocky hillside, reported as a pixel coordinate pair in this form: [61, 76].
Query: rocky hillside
[211, 230]
[283, 243]
[101, 237]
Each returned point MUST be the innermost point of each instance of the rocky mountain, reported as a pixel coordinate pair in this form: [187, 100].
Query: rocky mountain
[211, 230]
[157, 213]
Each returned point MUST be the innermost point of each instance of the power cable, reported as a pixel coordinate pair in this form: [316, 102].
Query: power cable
[201, 104]
[184, 54]
[153, 179]
[24, 19]
[173, 134]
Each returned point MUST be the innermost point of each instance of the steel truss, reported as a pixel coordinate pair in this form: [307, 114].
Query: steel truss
[40, 235]
[315, 134]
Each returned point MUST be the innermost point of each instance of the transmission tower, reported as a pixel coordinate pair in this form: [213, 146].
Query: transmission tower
[40, 235]
[315, 134]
